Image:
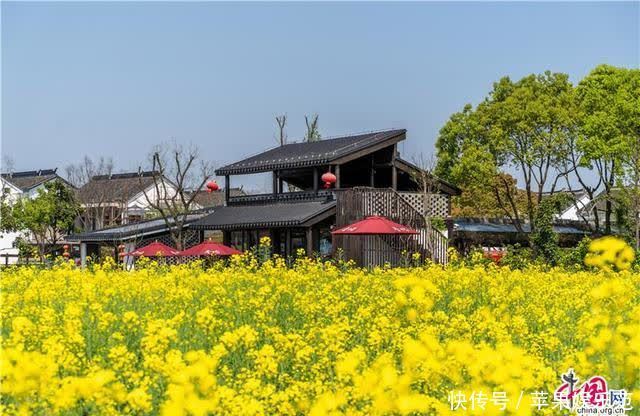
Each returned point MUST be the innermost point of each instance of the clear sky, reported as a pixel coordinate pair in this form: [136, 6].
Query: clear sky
[114, 79]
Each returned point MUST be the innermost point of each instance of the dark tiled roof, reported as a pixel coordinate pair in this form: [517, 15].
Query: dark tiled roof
[114, 188]
[473, 225]
[215, 199]
[296, 155]
[30, 179]
[271, 215]
[134, 230]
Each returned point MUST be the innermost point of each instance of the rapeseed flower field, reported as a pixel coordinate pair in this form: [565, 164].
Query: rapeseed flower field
[257, 337]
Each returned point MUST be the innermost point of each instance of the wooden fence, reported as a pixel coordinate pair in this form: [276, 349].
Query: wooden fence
[15, 260]
[357, 203]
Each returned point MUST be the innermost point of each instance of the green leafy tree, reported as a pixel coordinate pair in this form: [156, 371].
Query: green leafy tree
[7, 218]
[313, 132]
[628, 104]
[49, 216]
[606, 128]
[524, 126]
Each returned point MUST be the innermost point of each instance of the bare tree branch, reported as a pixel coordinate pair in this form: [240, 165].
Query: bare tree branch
[282, 124]
[174, 198]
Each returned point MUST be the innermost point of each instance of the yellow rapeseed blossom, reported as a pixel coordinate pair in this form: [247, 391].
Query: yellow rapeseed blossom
[255, 337]
[610, 253]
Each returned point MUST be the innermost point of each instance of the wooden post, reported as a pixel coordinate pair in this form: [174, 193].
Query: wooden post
[394, 178]
[315, 179]
[227, 189]
[449, 223]
[275, 182]
[83, 254]
[372, 173]
[337, 176]
[309, 237]
[394, 170]
[287, 244]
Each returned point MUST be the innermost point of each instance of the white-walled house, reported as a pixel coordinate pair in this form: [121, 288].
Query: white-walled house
[122, 198]
[576, 210]
[583, 208]
[17, 185]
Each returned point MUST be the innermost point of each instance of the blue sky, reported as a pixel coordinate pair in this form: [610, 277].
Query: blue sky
[114, 79]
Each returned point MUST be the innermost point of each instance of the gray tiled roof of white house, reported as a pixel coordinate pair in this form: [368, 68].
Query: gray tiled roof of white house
[117, 187]
[27, 180]
[476, 225]
[306, 154]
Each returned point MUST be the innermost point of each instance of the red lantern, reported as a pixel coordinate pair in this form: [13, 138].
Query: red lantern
[212, 186]
[65, 247]
[328, 179]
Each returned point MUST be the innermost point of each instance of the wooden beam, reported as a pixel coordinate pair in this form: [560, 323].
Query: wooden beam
[322, 216]
[356, 155]
[337, 173]
[275, 182]
[227, 189]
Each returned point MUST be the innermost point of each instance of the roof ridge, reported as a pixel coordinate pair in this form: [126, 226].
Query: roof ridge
[342, 136]
[125, 175]
[26, 173]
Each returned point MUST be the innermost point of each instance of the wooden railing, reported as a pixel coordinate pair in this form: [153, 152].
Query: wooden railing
[280, 197]
[357, 203]
[436, 243]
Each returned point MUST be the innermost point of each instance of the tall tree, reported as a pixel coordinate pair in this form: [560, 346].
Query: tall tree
[282, 124]
[523, 126]
[177, 173]
[603, 129]
[313, 133]
[532, 121]
[624, 110]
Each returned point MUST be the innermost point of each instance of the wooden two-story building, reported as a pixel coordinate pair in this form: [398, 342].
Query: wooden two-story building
[370, 179]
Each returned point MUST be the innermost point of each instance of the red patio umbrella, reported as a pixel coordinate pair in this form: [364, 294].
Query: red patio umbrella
[374, 225]
[209, 248]
[155, 249]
